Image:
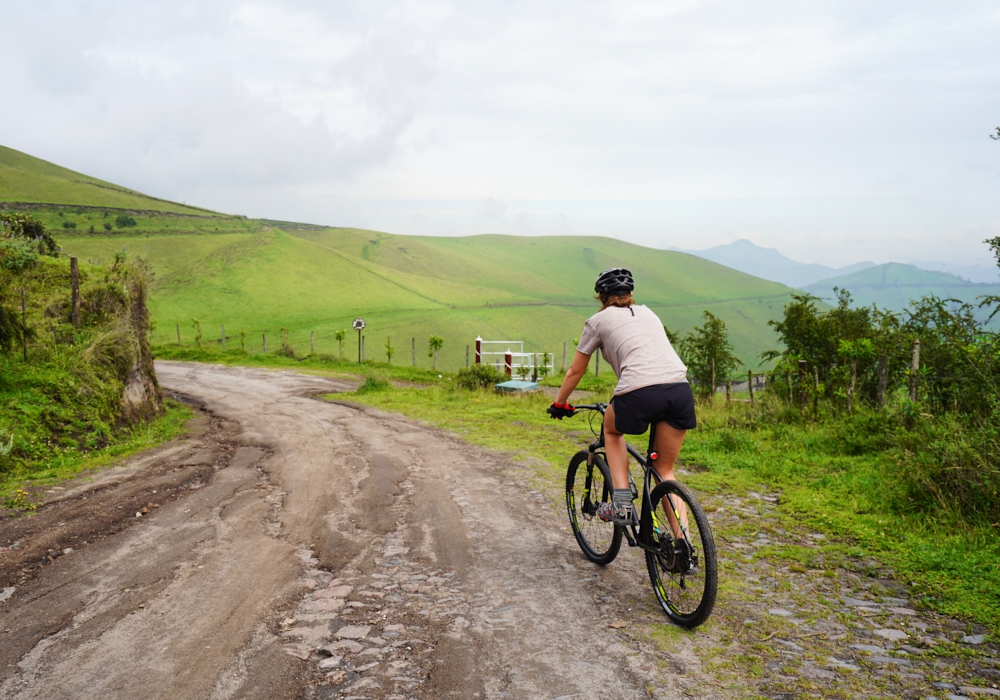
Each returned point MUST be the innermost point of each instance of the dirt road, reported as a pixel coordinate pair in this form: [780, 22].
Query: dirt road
[296, 548]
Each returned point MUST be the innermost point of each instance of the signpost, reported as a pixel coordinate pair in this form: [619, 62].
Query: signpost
[359, 325]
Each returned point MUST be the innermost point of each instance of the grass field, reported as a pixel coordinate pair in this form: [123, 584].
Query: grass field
[498, 287]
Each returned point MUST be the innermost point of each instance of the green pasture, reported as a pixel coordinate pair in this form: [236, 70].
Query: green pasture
[315, 282]
[27, 179]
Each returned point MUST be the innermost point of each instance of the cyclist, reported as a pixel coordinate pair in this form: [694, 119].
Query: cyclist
[652, 385]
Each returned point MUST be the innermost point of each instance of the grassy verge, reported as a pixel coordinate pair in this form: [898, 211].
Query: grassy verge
[950, 566]
[18, 486]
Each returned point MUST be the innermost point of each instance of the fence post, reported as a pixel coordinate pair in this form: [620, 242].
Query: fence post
[883, 381]
[312, 342]
[74, 281]
[178, 334]
[816, 387]
[508, 362]
[466, 357]
[359, 346]
[914, 370]
[803, 392]
[534, 367]
[264, 336]
[223, 336]
[479, 350]
[750, 385]
[24, 325]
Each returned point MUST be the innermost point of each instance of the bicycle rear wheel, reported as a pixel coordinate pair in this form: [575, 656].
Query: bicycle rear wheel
[683, 570]
[587, 487]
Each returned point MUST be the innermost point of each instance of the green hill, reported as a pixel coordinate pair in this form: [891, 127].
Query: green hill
[261, 276]
[893, 285]
[65, 199]
[499, 287]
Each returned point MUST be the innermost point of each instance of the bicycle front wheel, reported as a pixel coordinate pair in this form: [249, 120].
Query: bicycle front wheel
[682, 565]
[587, 486]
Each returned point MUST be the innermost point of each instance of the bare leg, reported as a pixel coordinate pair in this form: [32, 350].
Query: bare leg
[614, 447]
[668, 445]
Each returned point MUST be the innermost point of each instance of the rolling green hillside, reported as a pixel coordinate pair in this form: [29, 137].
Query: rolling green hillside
[500, 287]
[892, 286]
[261, 276]
[77, 203]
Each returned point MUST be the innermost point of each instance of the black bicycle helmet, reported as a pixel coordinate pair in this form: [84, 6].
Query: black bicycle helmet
[617, 280]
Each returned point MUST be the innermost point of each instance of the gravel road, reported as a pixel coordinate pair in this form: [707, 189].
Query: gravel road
[297, 548]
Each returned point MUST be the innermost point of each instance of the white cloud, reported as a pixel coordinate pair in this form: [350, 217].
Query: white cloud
[835, 131]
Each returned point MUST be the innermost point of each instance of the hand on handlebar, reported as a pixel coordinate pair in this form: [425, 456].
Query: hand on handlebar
[560, 410]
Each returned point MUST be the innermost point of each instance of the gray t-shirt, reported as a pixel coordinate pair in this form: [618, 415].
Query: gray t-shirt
[634, 343]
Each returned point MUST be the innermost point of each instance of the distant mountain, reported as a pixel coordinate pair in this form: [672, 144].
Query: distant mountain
[893, 285]
[983, 272]
[769, 264]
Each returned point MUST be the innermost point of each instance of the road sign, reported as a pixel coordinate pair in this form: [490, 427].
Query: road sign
[359, 324]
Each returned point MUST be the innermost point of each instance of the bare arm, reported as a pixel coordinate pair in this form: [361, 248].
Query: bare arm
[573, 376]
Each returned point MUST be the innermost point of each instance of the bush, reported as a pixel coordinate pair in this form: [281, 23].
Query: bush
[125, 221]
[107, 226]
[479, 377]
[69, 224]
[373, 382]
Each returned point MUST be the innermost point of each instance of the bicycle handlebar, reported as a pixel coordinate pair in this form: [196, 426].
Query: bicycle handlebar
[591, 407]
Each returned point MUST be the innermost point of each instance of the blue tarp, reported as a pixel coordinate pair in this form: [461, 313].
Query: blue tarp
[516, 385]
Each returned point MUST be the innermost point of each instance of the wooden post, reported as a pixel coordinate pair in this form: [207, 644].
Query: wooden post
[178, 334]
[24, 325]
[466, 357]
[851, 384]
[729, 392]
[564, 357]
[223, 336]
[883, 381]
[359, 346]
[479, 350]
[816, 389]
[914, 370]
[713, 382]
[74, 281]
[312, 342]
[508, 363]
[534, 367]
[803, 392]
[750, 385]
[264, 337]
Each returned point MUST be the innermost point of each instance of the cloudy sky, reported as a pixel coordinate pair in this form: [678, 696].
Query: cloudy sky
[835, 131]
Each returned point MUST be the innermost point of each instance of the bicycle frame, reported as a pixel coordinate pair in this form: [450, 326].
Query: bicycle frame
[631, 532]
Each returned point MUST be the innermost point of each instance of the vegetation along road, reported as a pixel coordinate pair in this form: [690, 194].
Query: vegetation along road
[292, 547]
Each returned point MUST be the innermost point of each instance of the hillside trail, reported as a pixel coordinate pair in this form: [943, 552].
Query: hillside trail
[298, 548]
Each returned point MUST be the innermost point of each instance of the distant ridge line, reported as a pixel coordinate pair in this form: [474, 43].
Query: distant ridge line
[209, 214]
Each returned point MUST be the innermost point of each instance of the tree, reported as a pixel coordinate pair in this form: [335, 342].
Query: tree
[197, 331]
[435, 343]
[22, 239]
[997, 136]
[707, 352]
[340, 335]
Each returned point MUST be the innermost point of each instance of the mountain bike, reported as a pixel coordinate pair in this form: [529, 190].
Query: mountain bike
[672, 529]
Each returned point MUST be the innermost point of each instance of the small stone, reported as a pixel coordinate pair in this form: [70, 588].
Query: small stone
[814, 673]
[393, 628]
[780, 612]
[335, 677]
[904, 611]
[856, 603]
[330, 662]
[354, 632]
[970, 690]
[943, 685]
[352, 647]
[891, 660]
[870, 648]
[891, 634]
[843, 665]
[299, 651]
[617, 625]
[974, 639]
[7, 593]
[461, 623]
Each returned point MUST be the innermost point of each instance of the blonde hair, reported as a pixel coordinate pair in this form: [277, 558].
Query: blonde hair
[621, 300]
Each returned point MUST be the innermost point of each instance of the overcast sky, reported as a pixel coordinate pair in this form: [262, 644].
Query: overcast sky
[835, 131]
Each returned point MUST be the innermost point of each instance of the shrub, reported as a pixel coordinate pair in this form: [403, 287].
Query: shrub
[479, 377]
[373, 382]
[125, 221]
[69, 224]
[107, 226]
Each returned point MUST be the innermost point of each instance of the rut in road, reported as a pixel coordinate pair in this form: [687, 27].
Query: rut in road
[339, 552]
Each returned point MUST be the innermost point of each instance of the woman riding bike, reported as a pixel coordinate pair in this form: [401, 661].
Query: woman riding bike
[652, 385]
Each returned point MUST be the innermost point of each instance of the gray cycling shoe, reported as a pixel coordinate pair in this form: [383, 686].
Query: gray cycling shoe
[615, 513]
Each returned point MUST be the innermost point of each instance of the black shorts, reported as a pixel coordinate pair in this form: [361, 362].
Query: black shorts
[673, 403]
